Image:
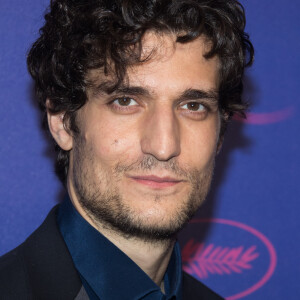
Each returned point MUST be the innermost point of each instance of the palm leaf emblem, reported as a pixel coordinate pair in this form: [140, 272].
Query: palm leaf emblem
[202, 260]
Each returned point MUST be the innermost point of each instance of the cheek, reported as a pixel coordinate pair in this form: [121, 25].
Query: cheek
[199, 145]
[112, 143]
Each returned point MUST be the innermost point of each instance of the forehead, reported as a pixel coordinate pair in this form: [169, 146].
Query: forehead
[169, 66]
[174, 64]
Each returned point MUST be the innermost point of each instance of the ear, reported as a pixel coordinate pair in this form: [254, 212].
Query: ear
[220, 143]
[224, 120]
[57, 128]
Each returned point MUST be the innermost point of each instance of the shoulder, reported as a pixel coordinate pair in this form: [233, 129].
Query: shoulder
[41, 267]
[13, 278]
[195, 290]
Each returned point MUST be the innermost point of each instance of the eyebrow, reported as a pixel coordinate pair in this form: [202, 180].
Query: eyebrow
[132, 90]
[110, 88]
[196, 94]
[188, 94]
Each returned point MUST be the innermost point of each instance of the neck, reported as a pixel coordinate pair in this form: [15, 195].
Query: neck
[152, 257]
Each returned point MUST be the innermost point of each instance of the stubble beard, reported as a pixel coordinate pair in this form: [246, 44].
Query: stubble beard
[107, 209]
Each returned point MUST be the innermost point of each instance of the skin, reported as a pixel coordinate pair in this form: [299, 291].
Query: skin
[125, 137]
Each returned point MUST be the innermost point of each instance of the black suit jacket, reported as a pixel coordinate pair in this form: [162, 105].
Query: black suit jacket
[41, 268]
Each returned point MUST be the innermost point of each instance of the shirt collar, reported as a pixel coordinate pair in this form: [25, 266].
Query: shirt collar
[108, 271]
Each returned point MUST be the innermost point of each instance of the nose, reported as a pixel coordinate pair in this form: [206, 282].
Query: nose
[160, 135]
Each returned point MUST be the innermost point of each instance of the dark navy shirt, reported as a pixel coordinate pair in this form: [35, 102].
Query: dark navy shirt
[106, 272]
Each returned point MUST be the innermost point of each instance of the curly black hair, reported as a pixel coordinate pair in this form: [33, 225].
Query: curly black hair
[81, 35]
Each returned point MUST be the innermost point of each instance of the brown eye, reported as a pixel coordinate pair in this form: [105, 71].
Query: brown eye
[125, 101]
[194, 106]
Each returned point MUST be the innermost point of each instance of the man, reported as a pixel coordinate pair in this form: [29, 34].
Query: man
[137, 96]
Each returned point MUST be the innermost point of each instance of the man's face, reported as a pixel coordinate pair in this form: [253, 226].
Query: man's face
[143, 159]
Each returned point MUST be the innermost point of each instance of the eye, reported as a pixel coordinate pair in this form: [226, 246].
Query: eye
[194, 106]
[124, 101]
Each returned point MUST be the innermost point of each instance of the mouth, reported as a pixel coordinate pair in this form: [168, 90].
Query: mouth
[156, 181]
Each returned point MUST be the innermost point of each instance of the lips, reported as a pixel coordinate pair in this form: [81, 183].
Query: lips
[156, 181]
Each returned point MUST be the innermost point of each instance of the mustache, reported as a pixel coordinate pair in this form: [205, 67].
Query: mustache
[149, 163]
